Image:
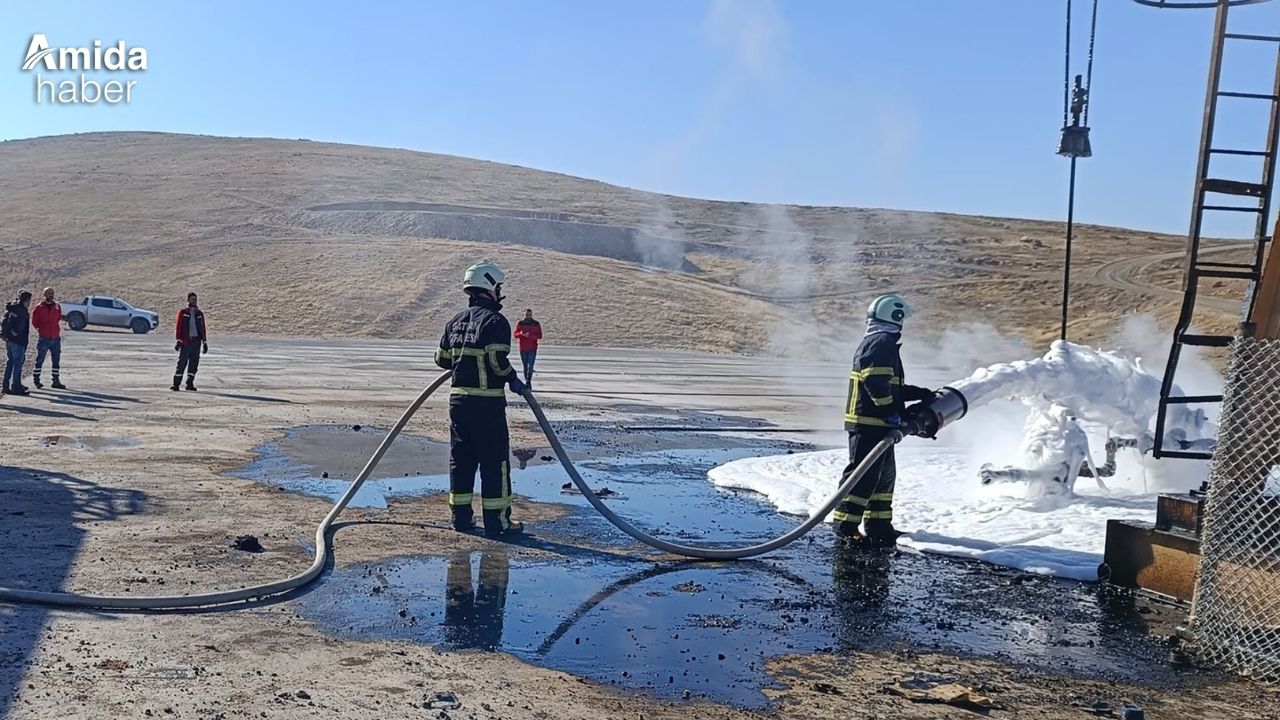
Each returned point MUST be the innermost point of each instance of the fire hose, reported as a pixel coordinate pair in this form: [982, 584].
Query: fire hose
[926, 419]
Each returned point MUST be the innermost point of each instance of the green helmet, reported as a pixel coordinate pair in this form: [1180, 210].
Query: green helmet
[889, 308]
[484, 275]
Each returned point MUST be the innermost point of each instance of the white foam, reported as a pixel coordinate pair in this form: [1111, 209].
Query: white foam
[941, 502]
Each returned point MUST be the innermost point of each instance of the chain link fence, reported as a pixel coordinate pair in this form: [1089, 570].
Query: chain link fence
[1236, 610]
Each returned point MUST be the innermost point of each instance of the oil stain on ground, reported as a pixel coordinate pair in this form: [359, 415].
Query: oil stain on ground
[589, 602]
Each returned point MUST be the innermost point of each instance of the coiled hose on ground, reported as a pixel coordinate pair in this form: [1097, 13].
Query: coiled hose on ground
[323, 539]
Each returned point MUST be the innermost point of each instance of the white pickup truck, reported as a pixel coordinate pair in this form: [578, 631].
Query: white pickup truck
[108, 311]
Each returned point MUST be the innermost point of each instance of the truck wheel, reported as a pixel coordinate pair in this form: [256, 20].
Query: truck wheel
[140, 326]
[75, 321]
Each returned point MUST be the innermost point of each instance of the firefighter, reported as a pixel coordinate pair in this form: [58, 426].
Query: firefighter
[475, 346]
[876, 401]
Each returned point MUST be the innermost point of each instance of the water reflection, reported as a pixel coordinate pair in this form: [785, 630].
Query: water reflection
[473, 614]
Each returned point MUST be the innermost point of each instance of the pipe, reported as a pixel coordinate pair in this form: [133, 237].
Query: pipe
[926, 419]
[224, 597]
[693, 551]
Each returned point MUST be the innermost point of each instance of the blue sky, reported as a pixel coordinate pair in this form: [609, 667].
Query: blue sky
[918, 104]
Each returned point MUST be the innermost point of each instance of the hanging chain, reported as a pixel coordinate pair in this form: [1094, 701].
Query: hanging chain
[1088, 78]
[1066, 76]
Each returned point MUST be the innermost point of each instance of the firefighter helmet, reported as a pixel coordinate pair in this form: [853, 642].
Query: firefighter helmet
[484, 275]
[889, 308]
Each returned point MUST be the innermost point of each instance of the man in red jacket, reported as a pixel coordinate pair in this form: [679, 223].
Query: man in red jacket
[47, 320]
[192, 342]
[528, 332]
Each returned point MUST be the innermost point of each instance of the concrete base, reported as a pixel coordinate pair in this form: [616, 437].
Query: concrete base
[1139, 556]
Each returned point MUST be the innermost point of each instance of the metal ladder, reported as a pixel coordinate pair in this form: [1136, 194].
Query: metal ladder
[1196, 268]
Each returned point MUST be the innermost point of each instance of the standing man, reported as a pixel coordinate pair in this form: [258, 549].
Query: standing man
[877, 398]
[475, 346]
[529, 332]
[192, 341]
[47, 320]
[17, 333]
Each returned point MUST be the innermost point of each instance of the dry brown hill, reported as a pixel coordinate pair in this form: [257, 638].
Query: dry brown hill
[305, 238]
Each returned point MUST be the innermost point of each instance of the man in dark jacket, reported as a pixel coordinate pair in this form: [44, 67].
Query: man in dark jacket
[16, 329]
[192, 341]
[475, 345]
[877, 398]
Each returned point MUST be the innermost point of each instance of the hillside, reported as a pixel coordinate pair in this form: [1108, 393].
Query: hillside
[304, 238]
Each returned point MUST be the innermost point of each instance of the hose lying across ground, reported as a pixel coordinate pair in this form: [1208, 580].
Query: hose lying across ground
[323, 535]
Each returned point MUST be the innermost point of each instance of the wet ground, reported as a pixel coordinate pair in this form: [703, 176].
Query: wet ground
[579, 596]
[92, 443]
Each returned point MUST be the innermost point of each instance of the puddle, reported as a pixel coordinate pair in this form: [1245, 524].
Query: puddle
[600, 610]
[687, 630]
[92, 443]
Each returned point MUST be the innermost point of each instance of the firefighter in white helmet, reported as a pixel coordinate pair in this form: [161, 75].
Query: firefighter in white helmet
[877, 398]
[475, 345]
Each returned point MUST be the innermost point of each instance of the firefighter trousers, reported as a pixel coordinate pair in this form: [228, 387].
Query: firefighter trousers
[872, 496]
[478, 440]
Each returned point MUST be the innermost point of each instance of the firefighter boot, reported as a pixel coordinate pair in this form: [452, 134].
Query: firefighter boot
[882, 533]
[463, 518]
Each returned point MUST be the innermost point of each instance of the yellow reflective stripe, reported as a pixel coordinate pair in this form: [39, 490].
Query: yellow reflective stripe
[501, 503]
[895, 380]
[492, 352]
[441, 354]
[479, 392]
[466, 352]
[460, 498]
[883, 496]
[882, 401]
[855, 500]
[878, 515]
[845, 517]
[862, 420]
[483, 374]
[865, 373]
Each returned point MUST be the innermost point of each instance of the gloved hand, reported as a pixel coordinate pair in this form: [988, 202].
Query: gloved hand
[178, 346]
[907, 425]
[205, 350]
[518, 386]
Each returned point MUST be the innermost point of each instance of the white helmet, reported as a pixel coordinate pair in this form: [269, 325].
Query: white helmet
[484, 275]
[889, 308]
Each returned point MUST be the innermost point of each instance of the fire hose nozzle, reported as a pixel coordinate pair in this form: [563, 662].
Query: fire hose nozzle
[925, 419]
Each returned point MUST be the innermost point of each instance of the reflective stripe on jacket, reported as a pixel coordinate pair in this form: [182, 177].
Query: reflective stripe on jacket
[877, 391]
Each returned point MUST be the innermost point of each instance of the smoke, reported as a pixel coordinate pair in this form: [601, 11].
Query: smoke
[750, 38]
[659, 240]
[751, 32]
[897, 133]
[784, 267]
[1140, 338]
[964, 348]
